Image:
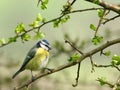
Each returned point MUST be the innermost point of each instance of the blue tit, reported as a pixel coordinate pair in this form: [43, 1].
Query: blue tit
[37, 58]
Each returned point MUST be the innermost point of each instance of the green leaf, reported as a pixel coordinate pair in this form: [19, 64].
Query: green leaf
[93, 27]
[115, 60]
[46, 1]
[107, 53]
[56, 23]
[102, 81]
[96, 1]
[20, 28]
[75, 57]
[97, 39]
[34, 24]
[39, 35]
[61, 20]
[25, 37]
[43, 20]
[100, 12]
[67, 8]
[43, 6]
[65, 19]
[2, 41]
[12, 39]
[39, 17]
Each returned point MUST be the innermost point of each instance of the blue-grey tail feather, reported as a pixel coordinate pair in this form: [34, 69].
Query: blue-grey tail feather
[16, 74]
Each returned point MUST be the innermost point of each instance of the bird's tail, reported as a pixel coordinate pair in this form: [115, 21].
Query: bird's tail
[16, 74]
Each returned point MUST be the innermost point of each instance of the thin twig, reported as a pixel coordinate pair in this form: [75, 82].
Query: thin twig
[117, 67]
[63, 12]
[88, 9]
[99, 23]
[105, 66]
[72, 45]
[93, 70]
[38, 2]
[78, 73]
[111, 19]
[116, 84]
[107, 83]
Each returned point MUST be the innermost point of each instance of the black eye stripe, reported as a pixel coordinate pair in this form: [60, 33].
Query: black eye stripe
[45, 45]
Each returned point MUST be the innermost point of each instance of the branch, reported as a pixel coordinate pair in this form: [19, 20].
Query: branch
[49, 21]
[71, 44]
[117, 67]
[111, 19]
[117, 84]
[99, 23]
[105, 82]
[78, 73]
[92, 64]
[113, 86]
[106, 5]
[27, 31]
[105, 66]
[88, 54]
[88, 9]
[69, 6]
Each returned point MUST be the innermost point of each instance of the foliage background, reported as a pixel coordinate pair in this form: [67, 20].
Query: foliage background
[11, 57]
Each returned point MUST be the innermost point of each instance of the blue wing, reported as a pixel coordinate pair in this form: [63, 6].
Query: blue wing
[29, 56]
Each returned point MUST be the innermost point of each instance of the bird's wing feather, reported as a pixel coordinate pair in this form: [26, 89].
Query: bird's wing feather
[29, 56]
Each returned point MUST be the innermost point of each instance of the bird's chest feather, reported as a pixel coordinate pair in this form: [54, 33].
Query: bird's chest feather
[40, 60]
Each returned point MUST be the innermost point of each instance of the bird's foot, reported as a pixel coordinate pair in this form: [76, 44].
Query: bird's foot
[32, 78]
[49, 70]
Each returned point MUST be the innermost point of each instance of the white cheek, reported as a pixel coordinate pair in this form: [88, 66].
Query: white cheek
[43, 46]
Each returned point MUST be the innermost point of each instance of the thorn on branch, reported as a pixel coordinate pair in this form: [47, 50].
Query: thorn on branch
[78, 72]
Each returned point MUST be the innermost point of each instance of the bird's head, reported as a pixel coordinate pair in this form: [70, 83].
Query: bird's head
[44, 44]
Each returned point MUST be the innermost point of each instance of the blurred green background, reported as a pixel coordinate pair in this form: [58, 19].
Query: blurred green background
[13, 12]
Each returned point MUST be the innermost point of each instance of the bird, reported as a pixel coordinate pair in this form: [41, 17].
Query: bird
[37, 58]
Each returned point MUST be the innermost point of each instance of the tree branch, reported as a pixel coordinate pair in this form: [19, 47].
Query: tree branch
[73, 46]
[105, 66]
[92, 64]
[99, 23]
[117, 84]
[106, 5]
[49, 21]
[78, 73]
[111, 19]
[88, 54]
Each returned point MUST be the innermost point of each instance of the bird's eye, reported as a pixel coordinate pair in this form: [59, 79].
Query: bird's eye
[46, 45]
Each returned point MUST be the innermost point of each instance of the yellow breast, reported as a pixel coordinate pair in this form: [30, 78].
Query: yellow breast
[39, 58]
